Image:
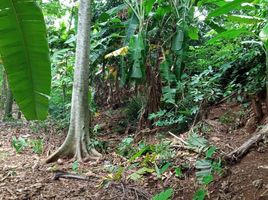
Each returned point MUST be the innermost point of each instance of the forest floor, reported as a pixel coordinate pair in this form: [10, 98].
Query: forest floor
[25, 175]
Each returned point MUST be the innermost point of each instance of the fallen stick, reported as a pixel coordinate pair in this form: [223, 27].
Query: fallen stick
[66, 175]
[178, 138]
[239, 152]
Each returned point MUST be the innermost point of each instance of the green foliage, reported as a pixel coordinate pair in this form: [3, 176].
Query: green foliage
[227, 118]
[137, 175]
[207, 179]
[200, 194]
[211, 151]
[25, 54]
[197, 143]
[75, 166]
[227, 8]
[230, 34]
[136, 46]
[134, 108]
[159, 172]
[37, 146]
[125, 148]
[164, 195]
[99, 145]
[178, 172]
[164, 150]
[19, 144]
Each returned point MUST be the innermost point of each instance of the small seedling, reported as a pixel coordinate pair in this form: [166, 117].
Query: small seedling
[75, 166]
[19, 144]
[178, 172]
[165, 195]
[200, 194]
[37, 146]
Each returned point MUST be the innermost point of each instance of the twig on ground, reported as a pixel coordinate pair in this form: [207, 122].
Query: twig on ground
[178, 138]
[61, 174]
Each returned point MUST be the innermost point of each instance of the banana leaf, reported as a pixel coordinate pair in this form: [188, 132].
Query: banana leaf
[25, 54]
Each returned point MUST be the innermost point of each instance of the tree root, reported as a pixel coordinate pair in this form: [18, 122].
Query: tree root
[81, 156]
[241, 151]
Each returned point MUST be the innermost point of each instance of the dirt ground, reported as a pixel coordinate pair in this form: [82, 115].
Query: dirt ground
[26, 176]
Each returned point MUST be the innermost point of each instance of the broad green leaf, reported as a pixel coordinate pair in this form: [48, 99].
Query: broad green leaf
[165, 195]
[230, 34]
[164, 168]
[215, 26]
[131, 28]
[216, 2]
[148, 4]
[139, 153]
[162, 11]
[136, 71]
[166, 73]
[244, 19]
[25, 54]
[136, 48]
[138, 174]
[193, 33]
[116, 9]
[227, 8]
[178, 40]
[169, 94]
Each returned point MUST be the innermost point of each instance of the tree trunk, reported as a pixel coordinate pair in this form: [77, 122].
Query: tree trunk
[8, 104]
[266, 81]
[76, 142]
[4, 89]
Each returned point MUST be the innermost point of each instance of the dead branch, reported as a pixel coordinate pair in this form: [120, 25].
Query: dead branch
[239, 152]
[66, 175]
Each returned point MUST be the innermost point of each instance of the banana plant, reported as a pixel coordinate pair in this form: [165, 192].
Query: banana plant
[25, 54]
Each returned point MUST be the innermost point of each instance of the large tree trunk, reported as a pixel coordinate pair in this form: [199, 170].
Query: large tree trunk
[76, 142]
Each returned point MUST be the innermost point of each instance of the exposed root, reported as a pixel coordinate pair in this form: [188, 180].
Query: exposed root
[238, 153]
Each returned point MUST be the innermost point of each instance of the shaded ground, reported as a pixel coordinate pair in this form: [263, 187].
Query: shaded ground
[25, 176]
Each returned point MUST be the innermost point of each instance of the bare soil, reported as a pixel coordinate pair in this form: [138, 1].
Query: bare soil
[26, 176]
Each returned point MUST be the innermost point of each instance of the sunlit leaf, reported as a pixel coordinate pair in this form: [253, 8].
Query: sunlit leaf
[227, 8]
[119, 52]
[230, 34]
[244, 19]
[264, 34]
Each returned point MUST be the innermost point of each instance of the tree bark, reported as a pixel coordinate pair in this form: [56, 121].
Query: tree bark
[8, 104]
[4, 89]
[76, 142]
[266, 53]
